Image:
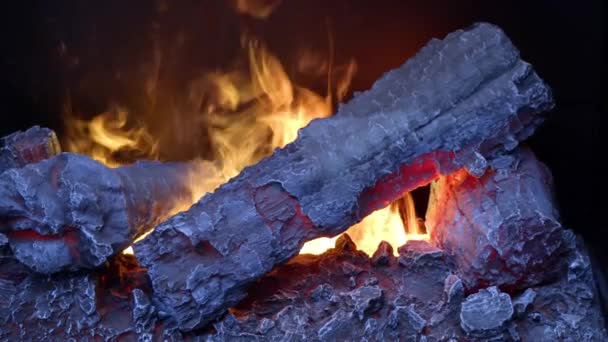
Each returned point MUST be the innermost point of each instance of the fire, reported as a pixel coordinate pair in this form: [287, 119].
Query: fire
[106, 134]
[396, 224]
[245, 113]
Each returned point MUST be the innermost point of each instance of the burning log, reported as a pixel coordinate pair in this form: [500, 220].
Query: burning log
[456, 103]
[70, 212]
[21, 148]
[501, 229]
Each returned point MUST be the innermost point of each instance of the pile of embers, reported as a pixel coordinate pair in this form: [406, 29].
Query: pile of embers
[499, 266]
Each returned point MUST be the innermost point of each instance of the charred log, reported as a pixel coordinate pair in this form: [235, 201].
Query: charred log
[456, 104]
[70, 212]
[501, 229]
[21, 148]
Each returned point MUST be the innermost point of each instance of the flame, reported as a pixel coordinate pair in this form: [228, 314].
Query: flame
[245, 113]
[106, 135]
[396, 224]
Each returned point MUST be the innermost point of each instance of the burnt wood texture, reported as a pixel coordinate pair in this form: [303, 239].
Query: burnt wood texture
[460, 102]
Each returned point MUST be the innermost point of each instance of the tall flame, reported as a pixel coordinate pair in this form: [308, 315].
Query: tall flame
[245, 114]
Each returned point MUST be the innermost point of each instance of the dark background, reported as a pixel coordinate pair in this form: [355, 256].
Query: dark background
[97, 51]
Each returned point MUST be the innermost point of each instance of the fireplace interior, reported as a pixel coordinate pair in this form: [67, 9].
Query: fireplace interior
[272, 170]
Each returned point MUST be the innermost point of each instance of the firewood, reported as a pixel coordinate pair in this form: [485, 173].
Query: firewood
[21, 148]
[70, 211]
[457, 103]
[502, 229]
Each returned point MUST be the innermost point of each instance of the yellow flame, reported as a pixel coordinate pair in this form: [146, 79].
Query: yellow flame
[395, 224]
[246, 114]
[106, 134]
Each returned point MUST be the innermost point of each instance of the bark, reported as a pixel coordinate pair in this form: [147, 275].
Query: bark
[457, 103]
[71, 212]
[501, 229]
[21, 148]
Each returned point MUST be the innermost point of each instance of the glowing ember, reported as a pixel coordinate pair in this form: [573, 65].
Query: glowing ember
[245, 113]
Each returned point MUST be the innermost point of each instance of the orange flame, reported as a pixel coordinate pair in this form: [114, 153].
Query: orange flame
[107, 134]
[246, 115]
[395, 224]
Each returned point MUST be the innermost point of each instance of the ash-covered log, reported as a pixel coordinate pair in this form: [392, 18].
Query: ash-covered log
[71, 212]
[455, 104]
[501, 229]
[21, 148]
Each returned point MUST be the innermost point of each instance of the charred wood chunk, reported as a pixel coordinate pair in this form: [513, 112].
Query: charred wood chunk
[383, 255]
[523, 301]
[501, 229]
[455, 104]
[485, 314]
[21, 148]
[71, 212]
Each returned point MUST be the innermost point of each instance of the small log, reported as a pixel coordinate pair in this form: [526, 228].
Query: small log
[455, 104]
[21, 148]
[501, 229]
[70, 211]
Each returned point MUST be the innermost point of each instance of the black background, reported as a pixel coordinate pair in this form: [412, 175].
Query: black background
[564, 40]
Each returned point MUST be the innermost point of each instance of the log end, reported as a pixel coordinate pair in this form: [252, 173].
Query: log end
[64, 213]
[501, 229]
[21, 148]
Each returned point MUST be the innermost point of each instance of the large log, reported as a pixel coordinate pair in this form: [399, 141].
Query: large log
[21, 148]
[70, 211]
[457, 103]
[501, 229]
